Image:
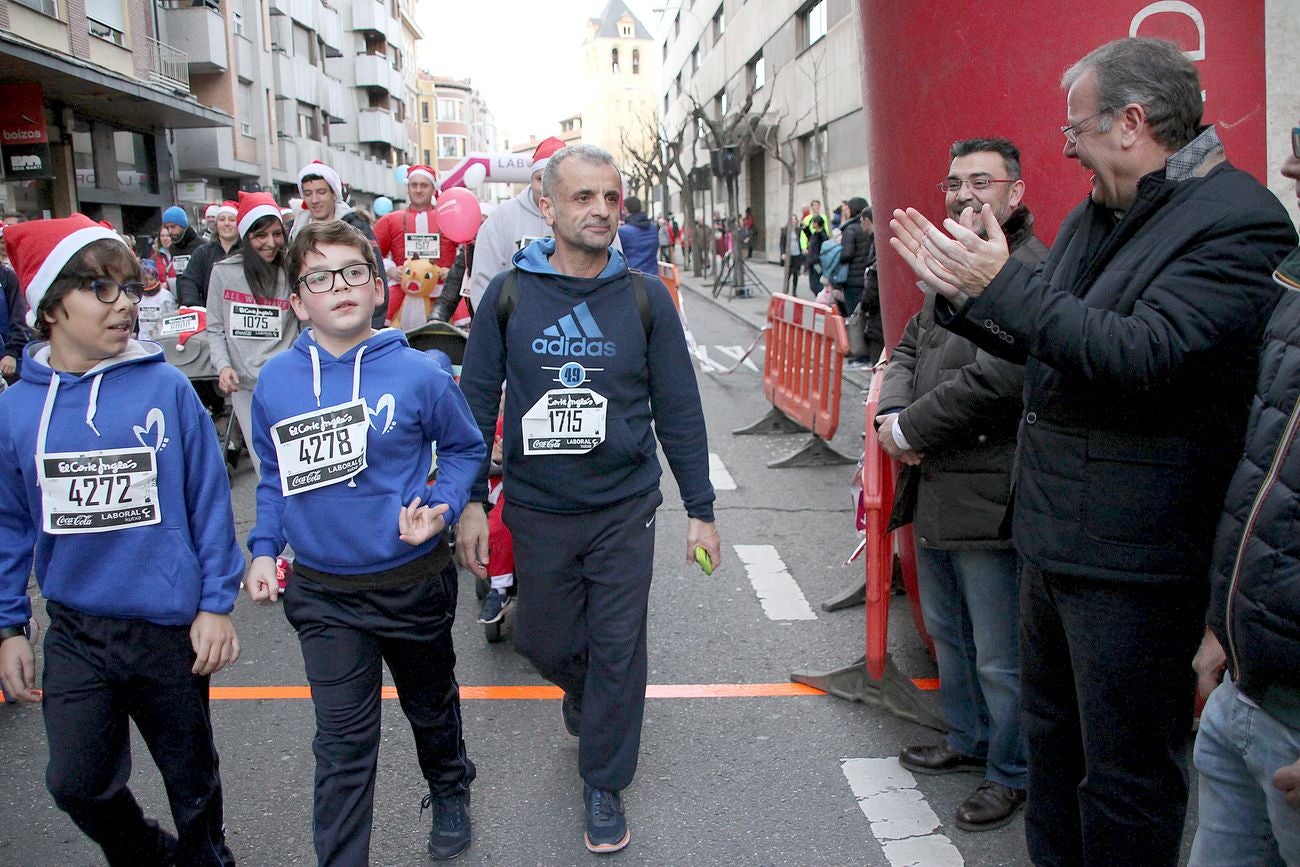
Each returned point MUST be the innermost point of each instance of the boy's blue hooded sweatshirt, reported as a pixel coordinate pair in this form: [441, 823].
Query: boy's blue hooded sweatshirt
[411, 402]
[646, 374]
[164, 573]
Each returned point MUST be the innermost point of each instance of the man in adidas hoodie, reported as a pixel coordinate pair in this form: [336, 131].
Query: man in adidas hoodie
[591, 356]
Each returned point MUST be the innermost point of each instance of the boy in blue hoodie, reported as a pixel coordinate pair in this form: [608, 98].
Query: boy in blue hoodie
[115, 486]
[343, 424]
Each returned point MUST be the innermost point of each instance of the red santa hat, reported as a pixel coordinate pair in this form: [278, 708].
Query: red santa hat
[319, 169]
[210, 211]
[226, 207]
[38, 250]
[253, 207]
[545, 151]
[422, 171]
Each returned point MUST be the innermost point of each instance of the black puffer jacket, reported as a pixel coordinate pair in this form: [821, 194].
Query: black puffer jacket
[960, 407]
[857, 250]
[1255, 584]
[1141, 342]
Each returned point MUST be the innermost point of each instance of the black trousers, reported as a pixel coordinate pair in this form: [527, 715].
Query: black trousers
[1107, 688]
[100, 672]
[346, 636]
[584, 589]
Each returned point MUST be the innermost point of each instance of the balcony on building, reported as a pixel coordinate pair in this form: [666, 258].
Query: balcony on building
[199, 30]
[375, 70]
[373, 16]
[378, 125]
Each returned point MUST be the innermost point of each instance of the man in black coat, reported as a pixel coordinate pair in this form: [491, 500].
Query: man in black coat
[949, 413]
[1140, 338]
[858, 252]
[1249, 787]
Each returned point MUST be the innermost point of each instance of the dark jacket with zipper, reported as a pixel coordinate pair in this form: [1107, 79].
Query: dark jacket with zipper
[1140, 336]
[960, 407]
[1255, 569]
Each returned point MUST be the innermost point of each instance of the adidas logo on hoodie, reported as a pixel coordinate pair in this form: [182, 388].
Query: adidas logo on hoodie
[576, 334]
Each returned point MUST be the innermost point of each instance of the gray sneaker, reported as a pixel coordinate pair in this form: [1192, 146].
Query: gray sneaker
[606, 824]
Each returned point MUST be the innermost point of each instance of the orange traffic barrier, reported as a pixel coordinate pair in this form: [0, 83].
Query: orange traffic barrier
[672, 279]
[802, 374]
[877, 501]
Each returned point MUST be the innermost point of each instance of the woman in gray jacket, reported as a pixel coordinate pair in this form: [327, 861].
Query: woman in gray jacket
[249, 319]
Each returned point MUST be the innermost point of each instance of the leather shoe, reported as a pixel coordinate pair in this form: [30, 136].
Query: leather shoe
[990, 806]
[937, 759]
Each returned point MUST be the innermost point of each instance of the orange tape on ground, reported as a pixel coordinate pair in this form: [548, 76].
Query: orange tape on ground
[534, 693]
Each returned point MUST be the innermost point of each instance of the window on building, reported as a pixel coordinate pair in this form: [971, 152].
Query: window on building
[397, 59]
[812, 23]
[451, 146]
[135, 163]
[808, 146]
[757, 73]
[307, 125]
[45, 7]
[636, 61]
[721, 101]
[625, 29]
[237, 23]
[424, 111]
[428, 157]
[719, 25]
[613, 60]
[451, 109]
[245, 108]
[304, 46]
[106, 19]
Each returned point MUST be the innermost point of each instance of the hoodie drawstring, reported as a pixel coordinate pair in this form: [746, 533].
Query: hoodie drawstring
[94, 403]
[356, 381]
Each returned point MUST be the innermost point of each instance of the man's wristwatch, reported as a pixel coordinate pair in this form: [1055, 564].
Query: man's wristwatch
[7, 632]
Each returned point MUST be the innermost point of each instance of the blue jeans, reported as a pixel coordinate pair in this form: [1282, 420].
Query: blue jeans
[1244, 820]
[971, 605]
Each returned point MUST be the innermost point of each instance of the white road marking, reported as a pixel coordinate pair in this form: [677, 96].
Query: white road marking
[900, 817]
[736, 352]
[776, 588]
[722, 480]
[707, 364]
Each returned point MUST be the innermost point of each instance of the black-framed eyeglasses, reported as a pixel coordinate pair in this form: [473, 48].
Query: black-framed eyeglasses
[952, 185]
[1071, 132]
[109, 291]
[321, 281]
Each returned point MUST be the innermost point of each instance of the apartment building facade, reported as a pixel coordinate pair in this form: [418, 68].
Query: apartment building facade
[88, 92]
[798, 59]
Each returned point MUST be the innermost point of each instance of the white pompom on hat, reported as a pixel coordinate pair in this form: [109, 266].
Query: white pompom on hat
[39, 249]
[320, 170]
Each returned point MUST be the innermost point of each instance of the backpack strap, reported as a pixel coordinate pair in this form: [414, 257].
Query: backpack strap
[507, 301]
[642, 300]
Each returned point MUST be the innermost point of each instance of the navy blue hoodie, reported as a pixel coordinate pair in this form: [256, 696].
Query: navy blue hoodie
[164, 573]
[412, 403]
[640, 240]
[645, 379]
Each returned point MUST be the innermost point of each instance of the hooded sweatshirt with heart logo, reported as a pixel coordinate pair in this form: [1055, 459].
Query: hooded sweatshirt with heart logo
[350, 528]
[164, 573]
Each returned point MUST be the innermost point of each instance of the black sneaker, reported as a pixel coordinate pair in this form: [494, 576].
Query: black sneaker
[606, 825]
[495, 603]
[449, 835]
[571, 712]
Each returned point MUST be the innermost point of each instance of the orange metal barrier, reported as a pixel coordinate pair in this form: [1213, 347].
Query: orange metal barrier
[672, 279]
[804, 363]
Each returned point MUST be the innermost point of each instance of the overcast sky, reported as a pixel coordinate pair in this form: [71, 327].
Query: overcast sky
[522, 55]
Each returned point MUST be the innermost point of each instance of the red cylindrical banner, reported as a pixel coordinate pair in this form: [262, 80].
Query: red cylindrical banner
[937, 72]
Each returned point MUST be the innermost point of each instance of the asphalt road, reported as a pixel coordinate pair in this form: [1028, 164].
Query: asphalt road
[775, 779]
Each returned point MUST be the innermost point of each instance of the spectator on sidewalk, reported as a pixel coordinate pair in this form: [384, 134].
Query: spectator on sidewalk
[812, 237]
[1249, 785]
[858, 253]
[1140, 335]
[949, 412]
[791, 248]
[640, 238]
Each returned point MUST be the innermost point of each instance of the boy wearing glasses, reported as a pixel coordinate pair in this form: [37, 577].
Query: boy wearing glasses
[115, 486]
[343, 423]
